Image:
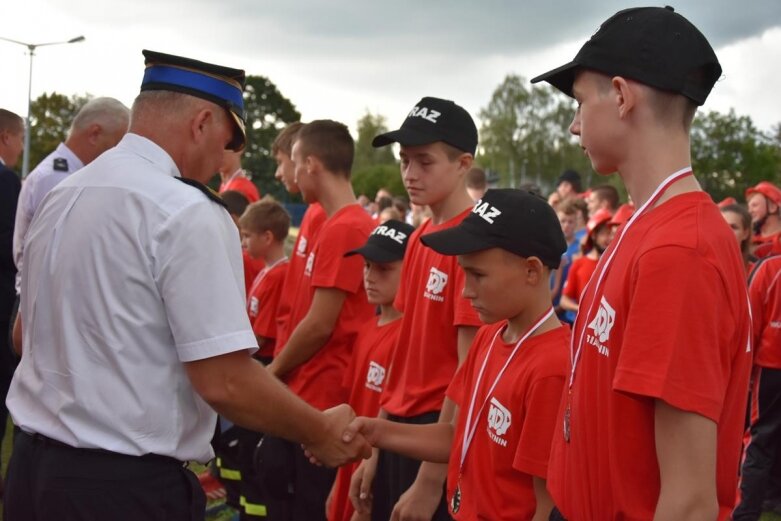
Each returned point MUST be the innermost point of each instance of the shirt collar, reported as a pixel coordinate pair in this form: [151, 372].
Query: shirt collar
[150, 151]
[74, 163]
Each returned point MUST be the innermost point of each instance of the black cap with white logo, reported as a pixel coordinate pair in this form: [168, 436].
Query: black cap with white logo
[432, 120]
[387, 243]
[514, 220]
[653, 45]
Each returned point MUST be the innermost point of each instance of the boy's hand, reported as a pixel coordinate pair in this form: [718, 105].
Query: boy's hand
[419, 502]
[331, 450]
[361, 484]
[366, 427]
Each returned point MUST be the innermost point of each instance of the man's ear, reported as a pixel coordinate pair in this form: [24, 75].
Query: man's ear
[93, 133]
[625, 95]
[199, 123]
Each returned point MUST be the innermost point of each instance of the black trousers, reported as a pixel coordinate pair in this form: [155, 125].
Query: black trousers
[48, 481]
[764, 446]
[293, 488]
[395, 474]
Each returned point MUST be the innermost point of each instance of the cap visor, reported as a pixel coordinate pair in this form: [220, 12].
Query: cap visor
[406, 137]
[239, 140]
[561, 77]
[457, 241]
[373, 253]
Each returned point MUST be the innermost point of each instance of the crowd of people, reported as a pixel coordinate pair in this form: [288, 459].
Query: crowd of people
[456, 352]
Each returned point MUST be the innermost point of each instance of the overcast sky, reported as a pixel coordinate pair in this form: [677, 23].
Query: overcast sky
[337, 59]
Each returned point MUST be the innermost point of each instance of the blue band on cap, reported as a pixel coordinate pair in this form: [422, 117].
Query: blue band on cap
[196, 81]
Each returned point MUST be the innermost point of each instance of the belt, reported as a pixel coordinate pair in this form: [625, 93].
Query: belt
[40, 439]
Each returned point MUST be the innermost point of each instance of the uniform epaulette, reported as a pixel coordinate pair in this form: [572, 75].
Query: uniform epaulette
[60, 164]
[208, 192]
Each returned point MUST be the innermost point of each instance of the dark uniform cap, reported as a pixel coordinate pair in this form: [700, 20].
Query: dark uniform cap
[514, 220]
[653, 45]
[387, 243]
[221, 85]
[432, 120]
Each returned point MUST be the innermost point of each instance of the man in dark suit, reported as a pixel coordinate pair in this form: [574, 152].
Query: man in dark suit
[11, 145]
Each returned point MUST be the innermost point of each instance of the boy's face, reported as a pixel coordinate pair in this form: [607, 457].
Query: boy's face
[428, 174]
[381, 281]
[304, 179]
[596, 121]
[256, 244]
[495, 283]
[286, 172]
[569, 223]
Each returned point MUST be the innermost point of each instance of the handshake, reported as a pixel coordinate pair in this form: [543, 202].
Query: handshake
[341, 441]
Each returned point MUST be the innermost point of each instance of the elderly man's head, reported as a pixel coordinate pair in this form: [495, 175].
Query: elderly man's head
[98, 126]
[11, 137]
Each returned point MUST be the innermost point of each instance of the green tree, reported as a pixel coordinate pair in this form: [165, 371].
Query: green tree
[525, 134]
[268, 112]
[50, 118]
[374, 168]
[730, 154]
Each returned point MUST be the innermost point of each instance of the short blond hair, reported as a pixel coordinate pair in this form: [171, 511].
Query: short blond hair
[266, 215]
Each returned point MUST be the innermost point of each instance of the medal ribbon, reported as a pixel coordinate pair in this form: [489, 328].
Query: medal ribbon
[471, 427]
[657, 194]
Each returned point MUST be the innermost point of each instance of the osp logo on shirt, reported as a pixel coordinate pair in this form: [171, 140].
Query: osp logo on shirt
[301, 251]
[375, 376]
[499, 421]
[436, 283]
[254, 305]
[310, 263]
[601, 326]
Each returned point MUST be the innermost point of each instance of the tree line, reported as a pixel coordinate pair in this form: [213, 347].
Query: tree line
[524, 137]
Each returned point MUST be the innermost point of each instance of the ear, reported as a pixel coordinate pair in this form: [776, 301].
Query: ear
[268, 237]
[624, 94]
[93, 133]
[199, 123]
[312, 164]
[465, 162]
[534, 271]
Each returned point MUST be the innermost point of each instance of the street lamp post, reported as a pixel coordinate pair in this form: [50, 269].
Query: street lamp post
[31, 48]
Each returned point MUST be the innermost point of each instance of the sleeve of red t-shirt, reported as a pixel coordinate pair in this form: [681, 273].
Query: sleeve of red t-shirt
[269, 292]
[674, 348]
[463, 312]
[570, 288]
[539, 426]
[334, 270]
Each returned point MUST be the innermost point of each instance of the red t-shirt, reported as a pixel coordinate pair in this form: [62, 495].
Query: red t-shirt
[241, 183]
[251, 269]
[364, 379]
[578, 276]
[262, 302]
[319, 380]
[767, 246]
[669, 322]
[426, 355]
[765, 294]
[295, 290]
[512, 439]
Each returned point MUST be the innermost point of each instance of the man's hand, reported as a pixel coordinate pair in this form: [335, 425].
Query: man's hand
[419, 502]
[330, 449]
[361, 484]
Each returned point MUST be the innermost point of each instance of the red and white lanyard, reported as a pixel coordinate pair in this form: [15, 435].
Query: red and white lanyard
[261, 276]
[471, 426]
[604, 267]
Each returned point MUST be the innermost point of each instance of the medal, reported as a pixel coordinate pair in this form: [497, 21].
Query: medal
[455, 501]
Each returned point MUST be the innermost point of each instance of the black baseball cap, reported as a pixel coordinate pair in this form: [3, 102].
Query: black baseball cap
[223, 86]
[514, 220]
[653, 45]
[432, 120]
[387, 243]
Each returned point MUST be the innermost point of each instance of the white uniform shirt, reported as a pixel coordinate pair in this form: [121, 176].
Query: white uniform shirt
[35, 187]
[130, 272]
